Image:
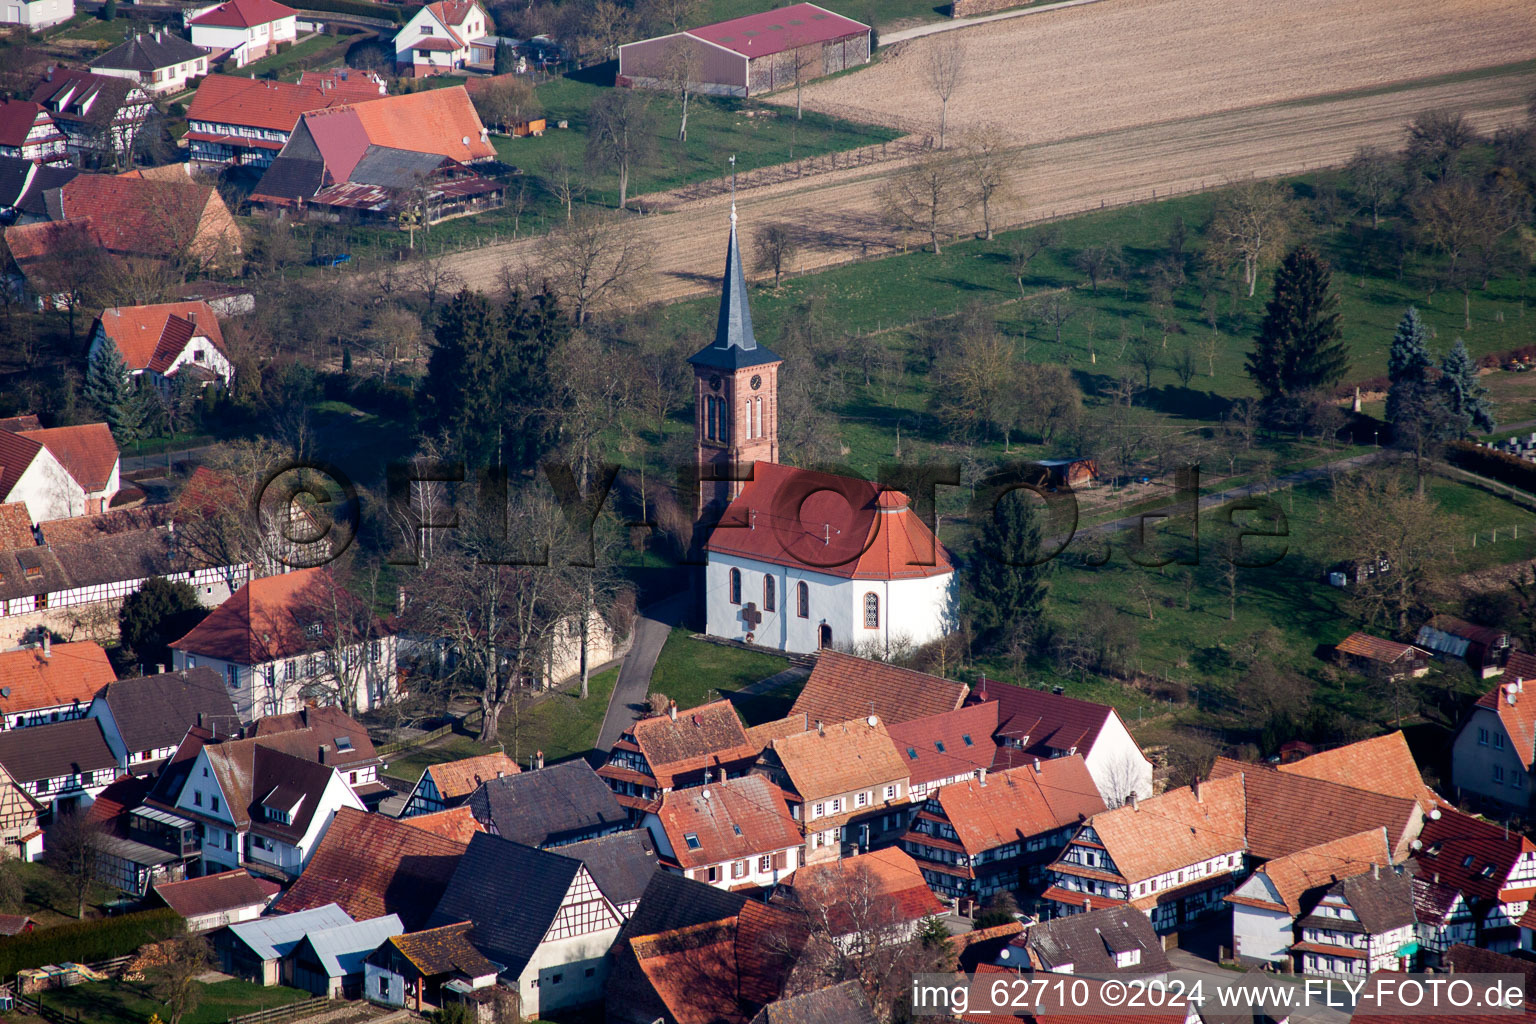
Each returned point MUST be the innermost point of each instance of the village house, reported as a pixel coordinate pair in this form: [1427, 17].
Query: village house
[439, 37]
[49, 682]
[841, 688]
[407, 155]
[998, 831]
[621, 864]
[1034, 724]
[451, 783]
[538, 914]
[245, 122]
[161, 63]
[139, 847]
[36, 15]
[736, 834]
[1383, 765]
[951, 747]
[20, 836]
[22, 185]
[100, 115]
[1380, 658]
[328, 735]
[1445, 919]
[241, 31]
[1268, 904]
[215, 901]
[1491, 866]
[329, 963]
[428, 969]
[62, 765]
[259, 807]
[1363, 924]
[1108, 941]
[371, 865]
[59, 472]
[27, 132]
[1173, 857]
[281, 641]
[255, 951]
[145, 719]
[677, 750]
[162, 341]
[843, 1003]
[548, 807]
[874, 899]
[843, 783]
[1483, 648]
[695, 953]
[1494, 753]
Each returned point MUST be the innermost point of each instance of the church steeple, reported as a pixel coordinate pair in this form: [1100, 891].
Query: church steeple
[736, 389]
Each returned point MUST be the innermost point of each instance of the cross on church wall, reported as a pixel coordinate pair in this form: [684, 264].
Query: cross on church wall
[751, 616]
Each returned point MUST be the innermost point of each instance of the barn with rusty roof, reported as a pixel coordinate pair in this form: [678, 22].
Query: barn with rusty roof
[751, 55]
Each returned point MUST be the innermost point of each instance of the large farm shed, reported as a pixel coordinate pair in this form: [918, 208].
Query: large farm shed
[752, 55]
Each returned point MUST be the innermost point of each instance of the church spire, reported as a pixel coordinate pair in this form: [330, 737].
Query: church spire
[734, 329]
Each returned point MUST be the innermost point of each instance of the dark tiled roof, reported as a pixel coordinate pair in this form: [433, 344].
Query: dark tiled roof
[844, 1003]
[1090, 941]
[1051, 721]
[511, 893]
[395, 168]
[289, 177]
[444, 950]
[303, 732]
[156, 711]
[842, 687]
[102, 95]
[621, 864]
[564, 801]
[1382, 900]
[1464, 959]
[150, 52]
[373, 865]
[249, 772]
[49, 751]
[210, 894]
[1471, 855]
[673, 901]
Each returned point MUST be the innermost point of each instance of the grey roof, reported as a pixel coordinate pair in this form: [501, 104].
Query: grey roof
[54, 750]
[511, 893]
[342, 950]
[394, 168]
[844, 1003]
[561, 803]
[1090, 941]
[1383, 901]
[23, 182]
[272, 937]
[149, 52]
[621, 864]
[290, 177]
[735, 345]
[674, 901]
[156, 711]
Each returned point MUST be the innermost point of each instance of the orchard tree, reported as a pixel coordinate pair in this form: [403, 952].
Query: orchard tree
[621, 135]
[1299, 347]
[775, 246]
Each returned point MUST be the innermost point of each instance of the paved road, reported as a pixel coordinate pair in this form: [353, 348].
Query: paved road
[887, 38]
[634, 682]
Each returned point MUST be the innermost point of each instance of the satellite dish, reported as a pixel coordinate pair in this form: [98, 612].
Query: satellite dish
[466, 140]
[5, 691]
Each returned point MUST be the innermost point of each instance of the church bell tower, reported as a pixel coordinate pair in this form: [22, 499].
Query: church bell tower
[736, 392]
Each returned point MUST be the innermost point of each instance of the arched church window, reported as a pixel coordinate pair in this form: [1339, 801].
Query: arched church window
[802, 600]
[735, 586]
[770, 595]
[871, 611]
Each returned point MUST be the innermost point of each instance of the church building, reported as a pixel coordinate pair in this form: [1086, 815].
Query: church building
[799, 560]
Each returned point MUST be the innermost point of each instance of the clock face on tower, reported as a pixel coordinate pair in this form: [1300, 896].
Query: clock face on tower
[714, 383]
[757, 382]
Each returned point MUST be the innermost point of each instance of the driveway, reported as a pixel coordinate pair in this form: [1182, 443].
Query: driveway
[628, 701]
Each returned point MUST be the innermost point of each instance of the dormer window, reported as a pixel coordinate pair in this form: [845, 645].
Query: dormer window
[279, 815]
[736, 828]
[938, 745]
[343, 743]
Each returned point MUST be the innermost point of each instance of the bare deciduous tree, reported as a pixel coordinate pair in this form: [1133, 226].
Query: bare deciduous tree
[1250, 226]
[926, 196]
[75, 844]
[945, 67]
[1375, 180]
[808, 63]
[506, 101]
[621, 135]
[592, 259]
[563, 180]
[987, 165]
[1436, 138]
[178, 963]
[1097, 262]
[775, 246]
[680, 70]
[1023, 250]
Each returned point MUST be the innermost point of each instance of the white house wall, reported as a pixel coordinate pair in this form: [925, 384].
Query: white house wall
[47, 489]
[1116, 762]
[1473, 762]
[39, 14]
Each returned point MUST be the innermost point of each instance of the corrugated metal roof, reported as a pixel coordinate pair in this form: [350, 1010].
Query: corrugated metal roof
[395, 168]
[342, 949]
[272, 937]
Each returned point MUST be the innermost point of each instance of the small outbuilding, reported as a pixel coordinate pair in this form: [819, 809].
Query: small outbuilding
[421, 970]
[752, 55]
[1074, 472]
[1380, 658]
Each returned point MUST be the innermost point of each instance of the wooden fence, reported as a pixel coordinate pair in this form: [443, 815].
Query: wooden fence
[427, 737]
[280, 1014]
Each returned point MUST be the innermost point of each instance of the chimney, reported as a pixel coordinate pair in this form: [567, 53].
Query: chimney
[672, 709]
[1087, 903]
[821, 730]
[1133, 801]
[538, 759]
[1376, 872]
[1037, 766]
[47, 646]
[325, 748]
[1196, 789]
[160, 670]
[192, 317]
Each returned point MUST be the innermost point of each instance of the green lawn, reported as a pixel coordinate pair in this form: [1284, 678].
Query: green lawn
[562, 725]
[89, 26]
[298, 51]
[694, 672]
[132, 1003]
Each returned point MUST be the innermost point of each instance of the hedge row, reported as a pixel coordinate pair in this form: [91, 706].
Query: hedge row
[362, 9]
[84, 942]
[1494, 464]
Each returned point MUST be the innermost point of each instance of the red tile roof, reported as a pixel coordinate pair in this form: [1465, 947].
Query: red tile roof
[451, 12]
[456, 779]
[211, 894]
[731, 820]
[1518, 716]
[17, 119]
[456, 823]
[151, 337]
[1383, 764]
[373, 865]
[718, 972]
[266, 619]
[701, 738]
[441, 121]
[1319, 867]
[854, 880]
[948, 744]
[87, 452]
[842, 687]
[15, 525]
[1009, 806]
[1469, 854]
[1045, 723]
[840, 758]
[274, 106]
[434, 43]
[244, 14]
[786, 28]
[71, 672]
[137, 215]
[1174, 829]
[16, 453]
[1375, 648]
[31, 242]
[836, 525]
